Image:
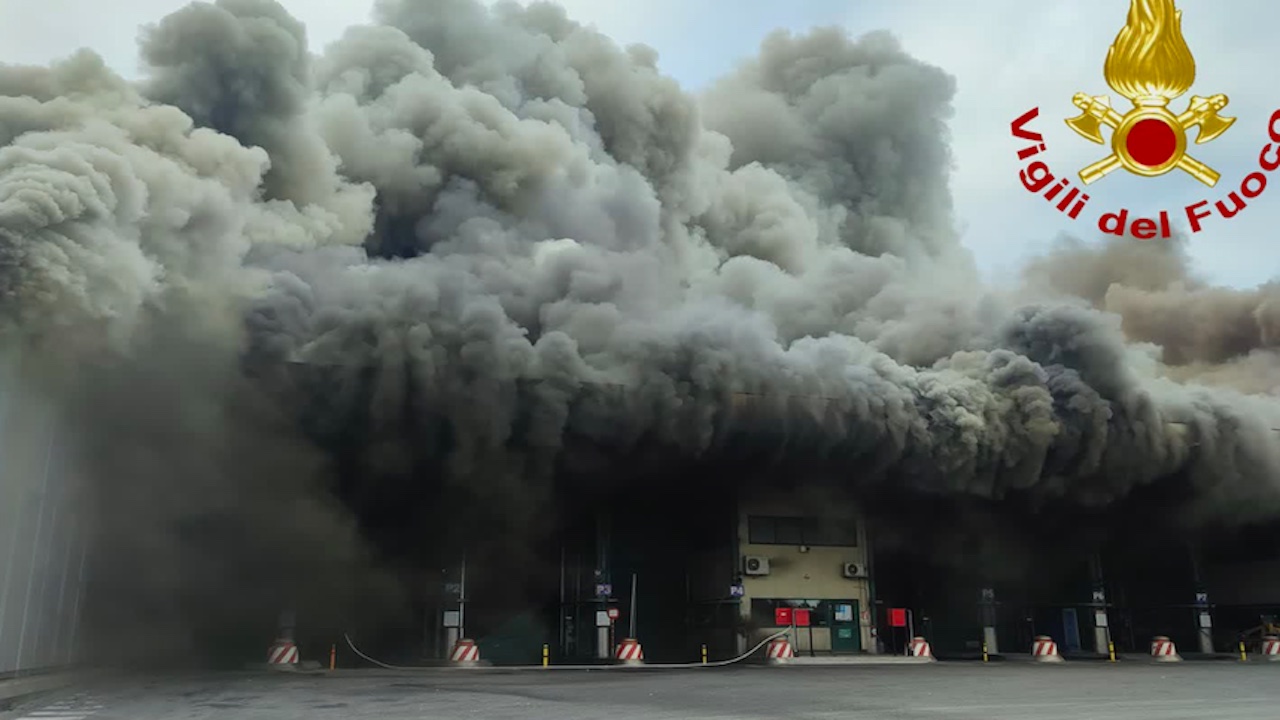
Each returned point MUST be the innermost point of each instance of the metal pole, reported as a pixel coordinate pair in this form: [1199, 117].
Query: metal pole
[6, 583]
[75, 607]
[8, 366]
[35, 541]
[988, 609]
[1101, 633]
[560, 611]
[604, 633]
[869, 554]
[62, 595]
[288, 625]
[1203, 620]
[43, 594]
[633, 605]
[462, 599]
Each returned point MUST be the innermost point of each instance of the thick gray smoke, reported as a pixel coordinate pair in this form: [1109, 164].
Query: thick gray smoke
[530, 239]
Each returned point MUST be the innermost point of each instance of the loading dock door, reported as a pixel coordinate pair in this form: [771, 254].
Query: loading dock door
[846, 635]
[1070, 630]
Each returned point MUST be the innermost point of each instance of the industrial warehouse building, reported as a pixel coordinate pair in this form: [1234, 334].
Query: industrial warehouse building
[715, 552]
[720, 580]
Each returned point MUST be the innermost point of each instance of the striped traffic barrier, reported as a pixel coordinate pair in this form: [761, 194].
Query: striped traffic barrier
[1163, 649]
[629, 652]
[1044, 649]
[1271, 648]
[780, 651]
[282, 652]
[919, 647]
[465, 652]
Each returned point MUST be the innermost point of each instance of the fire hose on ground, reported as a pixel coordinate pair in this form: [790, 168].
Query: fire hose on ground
[669, 666]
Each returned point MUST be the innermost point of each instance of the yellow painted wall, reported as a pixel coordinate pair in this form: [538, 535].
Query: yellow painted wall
[815, 574]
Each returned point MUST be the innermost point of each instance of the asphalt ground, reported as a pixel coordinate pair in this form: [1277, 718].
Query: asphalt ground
[996, 691]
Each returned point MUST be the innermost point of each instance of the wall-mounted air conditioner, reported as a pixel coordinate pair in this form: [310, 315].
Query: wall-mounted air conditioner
[854, 570]
[755, 565]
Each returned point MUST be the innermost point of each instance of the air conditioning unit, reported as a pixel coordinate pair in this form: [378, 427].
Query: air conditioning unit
[755, 565]
[854, 570]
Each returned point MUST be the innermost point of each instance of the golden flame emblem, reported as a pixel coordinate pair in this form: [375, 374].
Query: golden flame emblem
[1150, 65]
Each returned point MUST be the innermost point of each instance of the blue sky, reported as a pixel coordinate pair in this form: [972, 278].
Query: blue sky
[1006, 56]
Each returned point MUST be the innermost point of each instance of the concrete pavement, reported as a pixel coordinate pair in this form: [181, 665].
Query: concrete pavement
[14, 689]
[963, 691]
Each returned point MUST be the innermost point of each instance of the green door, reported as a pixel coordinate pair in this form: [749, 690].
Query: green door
[846, 636]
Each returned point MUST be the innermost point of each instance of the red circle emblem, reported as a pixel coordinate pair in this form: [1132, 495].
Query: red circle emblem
[1151, 142]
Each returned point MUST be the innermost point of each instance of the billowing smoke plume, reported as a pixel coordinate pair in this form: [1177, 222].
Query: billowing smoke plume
[499, 238]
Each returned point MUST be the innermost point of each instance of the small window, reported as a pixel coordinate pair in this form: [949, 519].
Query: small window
[762, 612]
[760, 530]
[771, 530]
[790, 531]
[831, 532]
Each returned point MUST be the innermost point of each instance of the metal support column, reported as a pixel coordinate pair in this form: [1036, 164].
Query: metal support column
[988, 609]
[602, 580]
[1203, 619]
[1101, 624]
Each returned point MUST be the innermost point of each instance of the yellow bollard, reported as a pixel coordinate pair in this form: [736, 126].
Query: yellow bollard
[546, 655]
[1111, 650]
[985, 657]
[1244, 657]
[704, 653]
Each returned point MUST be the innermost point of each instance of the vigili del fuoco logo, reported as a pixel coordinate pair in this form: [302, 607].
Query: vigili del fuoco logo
[1150, 65]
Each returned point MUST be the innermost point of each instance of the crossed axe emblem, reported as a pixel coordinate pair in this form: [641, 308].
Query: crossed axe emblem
[1201, 112]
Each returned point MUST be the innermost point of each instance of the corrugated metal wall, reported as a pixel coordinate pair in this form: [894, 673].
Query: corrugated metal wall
[42, 546]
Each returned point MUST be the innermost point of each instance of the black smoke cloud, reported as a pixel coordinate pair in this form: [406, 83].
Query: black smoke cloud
[492, 224]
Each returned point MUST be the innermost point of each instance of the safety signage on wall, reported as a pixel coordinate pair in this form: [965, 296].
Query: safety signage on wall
[802, 617]
[604, 590]
[452, 619]
[602, 619]
[844, 612]
[737, 591]
[782, 616]
[613, 613]
[898, 617]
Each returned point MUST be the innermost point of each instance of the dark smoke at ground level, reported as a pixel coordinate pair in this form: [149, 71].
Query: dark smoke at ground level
[473, 270]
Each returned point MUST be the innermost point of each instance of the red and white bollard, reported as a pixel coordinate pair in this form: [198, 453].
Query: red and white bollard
[465, 652]
[779, 651]
[1163, 649]
[282, 653]
[629, 652]
[1271, 648]
[1044, 649]
[919, 647]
